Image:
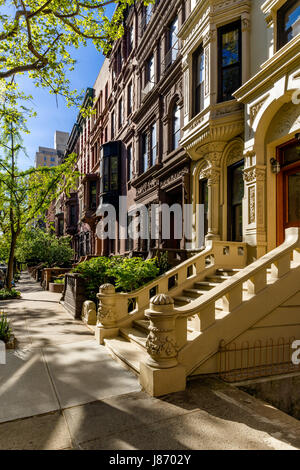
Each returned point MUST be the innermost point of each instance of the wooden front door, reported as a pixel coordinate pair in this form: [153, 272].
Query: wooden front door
[288, 188]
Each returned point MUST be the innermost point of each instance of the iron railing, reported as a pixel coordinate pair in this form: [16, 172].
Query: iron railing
[262, 359]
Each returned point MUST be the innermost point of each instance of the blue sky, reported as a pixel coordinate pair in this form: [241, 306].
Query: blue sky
[52, 115]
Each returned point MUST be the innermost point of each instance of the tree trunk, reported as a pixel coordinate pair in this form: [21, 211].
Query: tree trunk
[10, 267]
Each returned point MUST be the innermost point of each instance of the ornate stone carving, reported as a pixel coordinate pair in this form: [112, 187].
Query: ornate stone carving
[162, 299]
[251, 205]
[286, 121]
[147, 186]
[254, 174]
[161, 342]
[254, 110]
[246, 24]
[157, 346]
[175, 176]
[235, 155]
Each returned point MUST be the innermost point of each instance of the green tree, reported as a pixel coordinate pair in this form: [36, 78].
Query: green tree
[37, 246]
[25, 195]
[39, 36]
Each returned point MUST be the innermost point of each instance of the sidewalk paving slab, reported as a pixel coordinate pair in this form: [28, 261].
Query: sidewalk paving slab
[45, 432]
[84, 372]
[25, 386]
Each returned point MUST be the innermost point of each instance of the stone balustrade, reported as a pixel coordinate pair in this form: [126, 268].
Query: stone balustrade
[118, 310]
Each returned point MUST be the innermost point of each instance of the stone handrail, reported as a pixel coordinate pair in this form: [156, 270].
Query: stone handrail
[255, 275]
[234, 293]
[113, 310]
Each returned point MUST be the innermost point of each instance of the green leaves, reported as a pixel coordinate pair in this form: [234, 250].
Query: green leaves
[5, 331]
[39, 36]
[37, 246]
[127, 274]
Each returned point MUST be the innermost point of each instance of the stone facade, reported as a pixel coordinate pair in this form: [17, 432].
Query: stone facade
[195, 101]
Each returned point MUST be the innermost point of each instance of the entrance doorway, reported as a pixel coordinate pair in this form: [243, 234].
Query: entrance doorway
[235, 184]
[288, 188]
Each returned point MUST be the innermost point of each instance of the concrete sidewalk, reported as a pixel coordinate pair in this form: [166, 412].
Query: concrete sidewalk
[60, 390]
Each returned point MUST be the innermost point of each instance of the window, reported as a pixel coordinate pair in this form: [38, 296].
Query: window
[120, 113]
[93, 195]
[150, 74]
[230, 76]
[288, 18]
[52, 159]
[172, 42]
[175, 127]
[129, 99]
[112, 125]
[73, 219]
[60, 227]
[130, 40]
[129, 163]
[144, 162]
[106, 93]
[110, 178]
[153, 151]
[198, 79]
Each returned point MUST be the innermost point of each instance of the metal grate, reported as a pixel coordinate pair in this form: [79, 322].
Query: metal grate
[262, 359]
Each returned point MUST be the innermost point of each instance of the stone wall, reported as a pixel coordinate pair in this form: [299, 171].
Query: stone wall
[283, 393]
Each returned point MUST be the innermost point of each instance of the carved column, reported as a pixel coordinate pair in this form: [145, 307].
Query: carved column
[213, 204]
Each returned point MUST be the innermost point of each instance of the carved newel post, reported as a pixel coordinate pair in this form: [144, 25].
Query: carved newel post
[107, 317]
[161, 374]
[106, 311]
[161, 342]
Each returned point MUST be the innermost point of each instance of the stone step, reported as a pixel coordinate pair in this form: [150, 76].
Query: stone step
[205, 285]
[141, 325]
[127, 353]
[217, 278]
[227, 272]
[193, 292]
[183, 300]
[135, 336]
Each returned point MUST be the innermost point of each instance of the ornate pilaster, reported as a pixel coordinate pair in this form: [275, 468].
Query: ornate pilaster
[255, 210]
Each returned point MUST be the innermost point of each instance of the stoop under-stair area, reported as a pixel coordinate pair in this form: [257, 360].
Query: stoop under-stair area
[212, 298]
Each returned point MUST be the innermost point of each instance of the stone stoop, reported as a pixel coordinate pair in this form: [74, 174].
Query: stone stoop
[129, 347]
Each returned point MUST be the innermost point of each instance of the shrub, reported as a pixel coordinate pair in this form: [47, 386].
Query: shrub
[127, 274]
[6, 294]
[59, 281]
[5, 331]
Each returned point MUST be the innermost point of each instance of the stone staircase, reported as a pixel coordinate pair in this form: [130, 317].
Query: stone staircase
[180, 320]
[130, 345]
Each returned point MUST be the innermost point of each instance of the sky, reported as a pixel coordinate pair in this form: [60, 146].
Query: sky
[53, 114]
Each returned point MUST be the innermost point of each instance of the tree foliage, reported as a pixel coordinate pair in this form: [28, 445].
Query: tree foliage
[25, 195]
[38, 246]
[39, 36]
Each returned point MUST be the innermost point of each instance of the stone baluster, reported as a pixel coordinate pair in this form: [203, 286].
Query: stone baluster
[161, 374]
